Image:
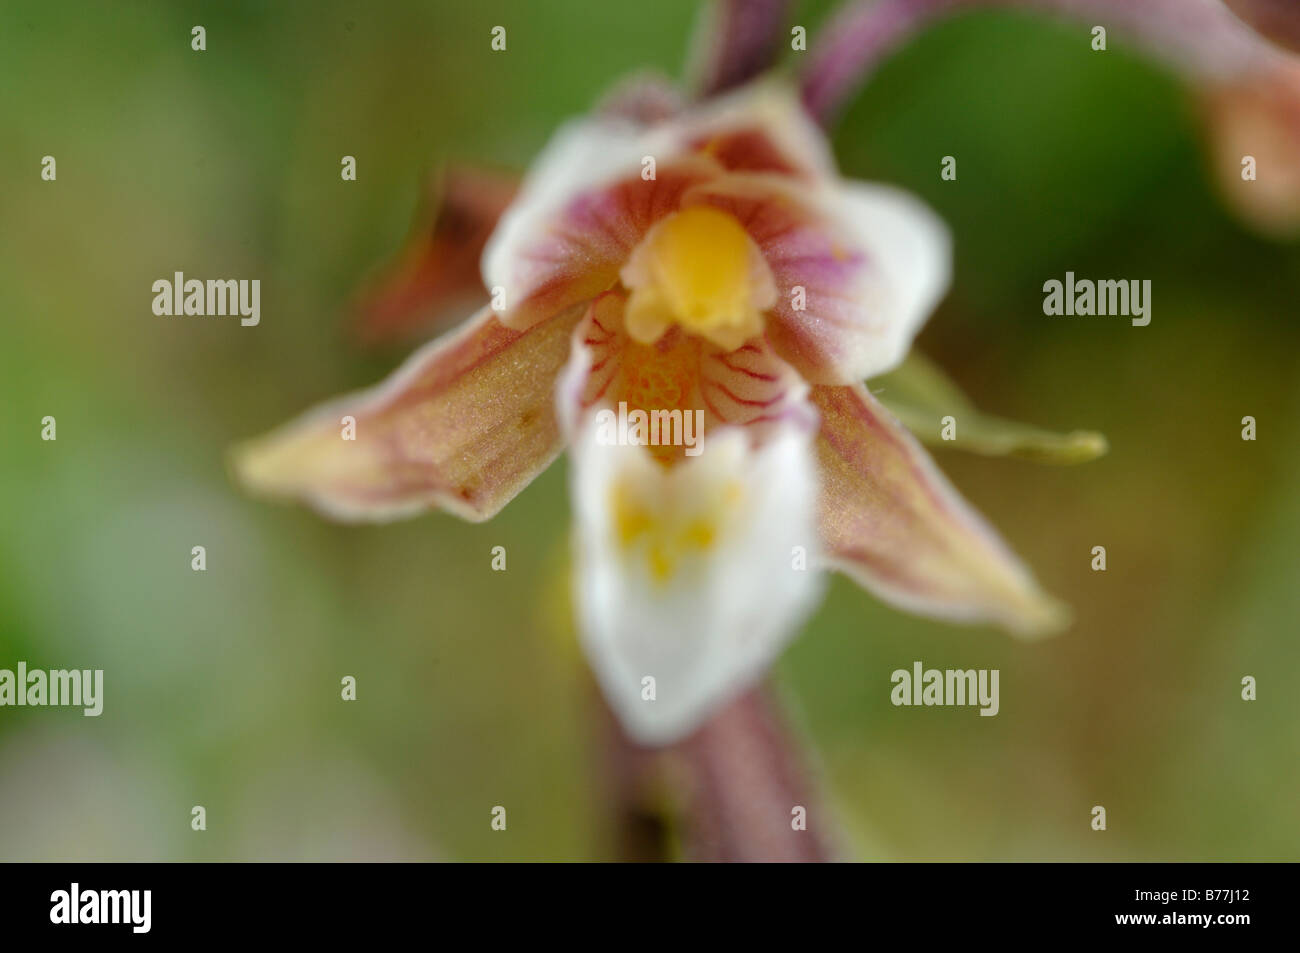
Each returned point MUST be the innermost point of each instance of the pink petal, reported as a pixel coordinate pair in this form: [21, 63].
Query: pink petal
[464, 424]
[752, 387]
[591, 195]
[547, 262]
[870, 263]
[892, 522]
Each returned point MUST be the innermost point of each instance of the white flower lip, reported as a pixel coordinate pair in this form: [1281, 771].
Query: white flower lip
[706, 619]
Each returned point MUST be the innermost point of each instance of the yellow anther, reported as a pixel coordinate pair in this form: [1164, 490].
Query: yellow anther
[700, 269]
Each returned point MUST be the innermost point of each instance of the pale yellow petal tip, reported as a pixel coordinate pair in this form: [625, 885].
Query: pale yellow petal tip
[268, 466]
[1039, 616]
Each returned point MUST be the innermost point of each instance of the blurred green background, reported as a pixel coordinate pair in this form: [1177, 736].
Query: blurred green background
[222, 688]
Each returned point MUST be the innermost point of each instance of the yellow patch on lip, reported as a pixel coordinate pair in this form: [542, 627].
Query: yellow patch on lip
[700, 269]
[666, 531]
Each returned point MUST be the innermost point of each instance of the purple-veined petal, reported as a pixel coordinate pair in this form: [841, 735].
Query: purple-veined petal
[749, 387]
[465, 424]
[602, 183]
[858, 269]
[891, 521]
[564, 242]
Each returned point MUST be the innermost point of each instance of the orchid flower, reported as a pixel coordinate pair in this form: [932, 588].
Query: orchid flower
[711, 261]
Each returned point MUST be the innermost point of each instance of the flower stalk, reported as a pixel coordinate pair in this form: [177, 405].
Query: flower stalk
[751, 794]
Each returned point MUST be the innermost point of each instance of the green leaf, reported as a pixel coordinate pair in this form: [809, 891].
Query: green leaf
[920, 395]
